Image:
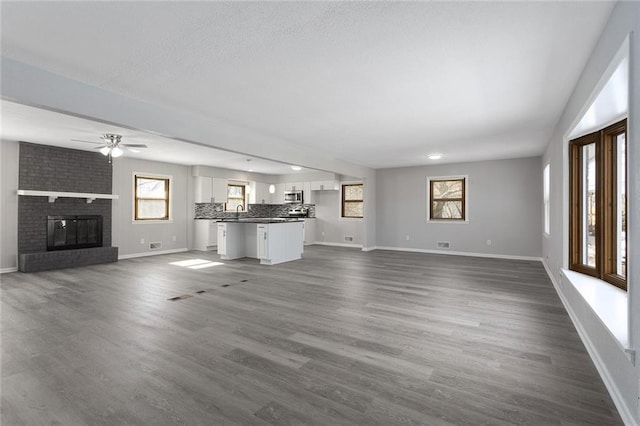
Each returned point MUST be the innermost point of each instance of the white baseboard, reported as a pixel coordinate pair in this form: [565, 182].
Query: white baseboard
[151, 253]
[8, 270]
[458, 253]
[323, 243]
[614, 392]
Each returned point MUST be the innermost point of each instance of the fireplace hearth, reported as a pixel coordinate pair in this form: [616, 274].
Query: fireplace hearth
[74, 232]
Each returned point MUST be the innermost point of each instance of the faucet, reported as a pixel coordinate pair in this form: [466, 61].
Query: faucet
[238, 210]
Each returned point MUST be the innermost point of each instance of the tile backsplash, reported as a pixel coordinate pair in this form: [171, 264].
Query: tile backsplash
[216, 210]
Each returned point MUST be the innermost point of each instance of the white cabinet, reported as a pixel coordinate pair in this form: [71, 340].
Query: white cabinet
[220, 190]
[278, 196]
[293, 186]
[208, 189]
[203, 189]
[263, 244]
[222, 239]
[262, 193]
[279, 242]
[325, 185]
[231, 240]
[206, 234]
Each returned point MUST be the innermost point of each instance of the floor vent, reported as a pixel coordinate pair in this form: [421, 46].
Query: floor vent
[155, 246]
[201, 291]
[184, 296]
[348, 238]
[443, 244]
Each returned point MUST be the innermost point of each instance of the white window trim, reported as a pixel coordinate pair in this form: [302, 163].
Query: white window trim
[350, 219]
[133, 197]
[466, 200]
[546, 200]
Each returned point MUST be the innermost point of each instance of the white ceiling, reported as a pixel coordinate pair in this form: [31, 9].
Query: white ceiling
[379, 84]
[25, 123]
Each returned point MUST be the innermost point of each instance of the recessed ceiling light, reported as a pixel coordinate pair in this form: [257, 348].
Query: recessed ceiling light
[296, 168]
[435, 156]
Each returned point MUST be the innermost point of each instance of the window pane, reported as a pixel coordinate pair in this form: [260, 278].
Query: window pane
[446, 189]
[236, 191]
[354, 209]
[621, 211]
[446, 210]
[152, 209]
[589, 216]
[151, 188]
[353, 192]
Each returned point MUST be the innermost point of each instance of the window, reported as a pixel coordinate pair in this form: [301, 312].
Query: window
[447, 199]
[235, 197]
[353, 200]
[598, 204]
[546, 193]
[151, 198]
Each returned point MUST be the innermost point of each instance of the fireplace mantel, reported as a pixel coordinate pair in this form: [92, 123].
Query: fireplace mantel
[53, 195]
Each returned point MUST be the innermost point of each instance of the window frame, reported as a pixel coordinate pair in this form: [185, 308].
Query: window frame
[343, 201]
[244, 196]
[464, 199]
[167, 198]
[605, 204]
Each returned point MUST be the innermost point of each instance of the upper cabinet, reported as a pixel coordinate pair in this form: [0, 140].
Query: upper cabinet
[325, 185]
[220, 191]
[293, 186]
[208, 189]
[262, 194]
[203, 189]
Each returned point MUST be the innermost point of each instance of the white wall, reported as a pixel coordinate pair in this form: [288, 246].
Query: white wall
[619, 373]
[8, 206]
[329, 222]
[504, 206]
[127, 234]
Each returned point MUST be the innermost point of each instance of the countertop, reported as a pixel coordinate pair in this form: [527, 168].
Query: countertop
[256, 219]
[260, 220]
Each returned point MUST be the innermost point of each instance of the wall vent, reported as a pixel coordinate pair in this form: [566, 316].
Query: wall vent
[348, 238]
[155, 246]
[443, 244]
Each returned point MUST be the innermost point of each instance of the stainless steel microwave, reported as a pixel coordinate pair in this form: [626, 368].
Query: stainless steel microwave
[293, 197]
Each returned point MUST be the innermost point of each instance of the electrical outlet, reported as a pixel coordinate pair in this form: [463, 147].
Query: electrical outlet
[488, 242]
[407, 238]
[173, 238]
[141, 240]
[323, 233]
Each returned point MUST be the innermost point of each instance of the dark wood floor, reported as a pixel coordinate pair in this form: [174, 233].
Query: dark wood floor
[340, 337]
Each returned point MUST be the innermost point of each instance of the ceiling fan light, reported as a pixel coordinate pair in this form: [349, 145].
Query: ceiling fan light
[105, 150]
[116, 152]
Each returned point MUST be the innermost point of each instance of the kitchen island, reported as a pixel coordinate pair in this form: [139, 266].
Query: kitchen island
[271, 240]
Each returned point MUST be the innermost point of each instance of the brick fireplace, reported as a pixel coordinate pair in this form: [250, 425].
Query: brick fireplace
[48, 168]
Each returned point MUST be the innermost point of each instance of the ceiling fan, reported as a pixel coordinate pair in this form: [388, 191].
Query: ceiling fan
[112, 146]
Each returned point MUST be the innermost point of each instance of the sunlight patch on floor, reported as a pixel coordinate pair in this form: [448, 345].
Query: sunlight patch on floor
[196, 263]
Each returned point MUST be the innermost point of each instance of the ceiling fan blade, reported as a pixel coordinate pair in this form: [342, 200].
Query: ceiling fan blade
[80, 140]
[134, 145]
